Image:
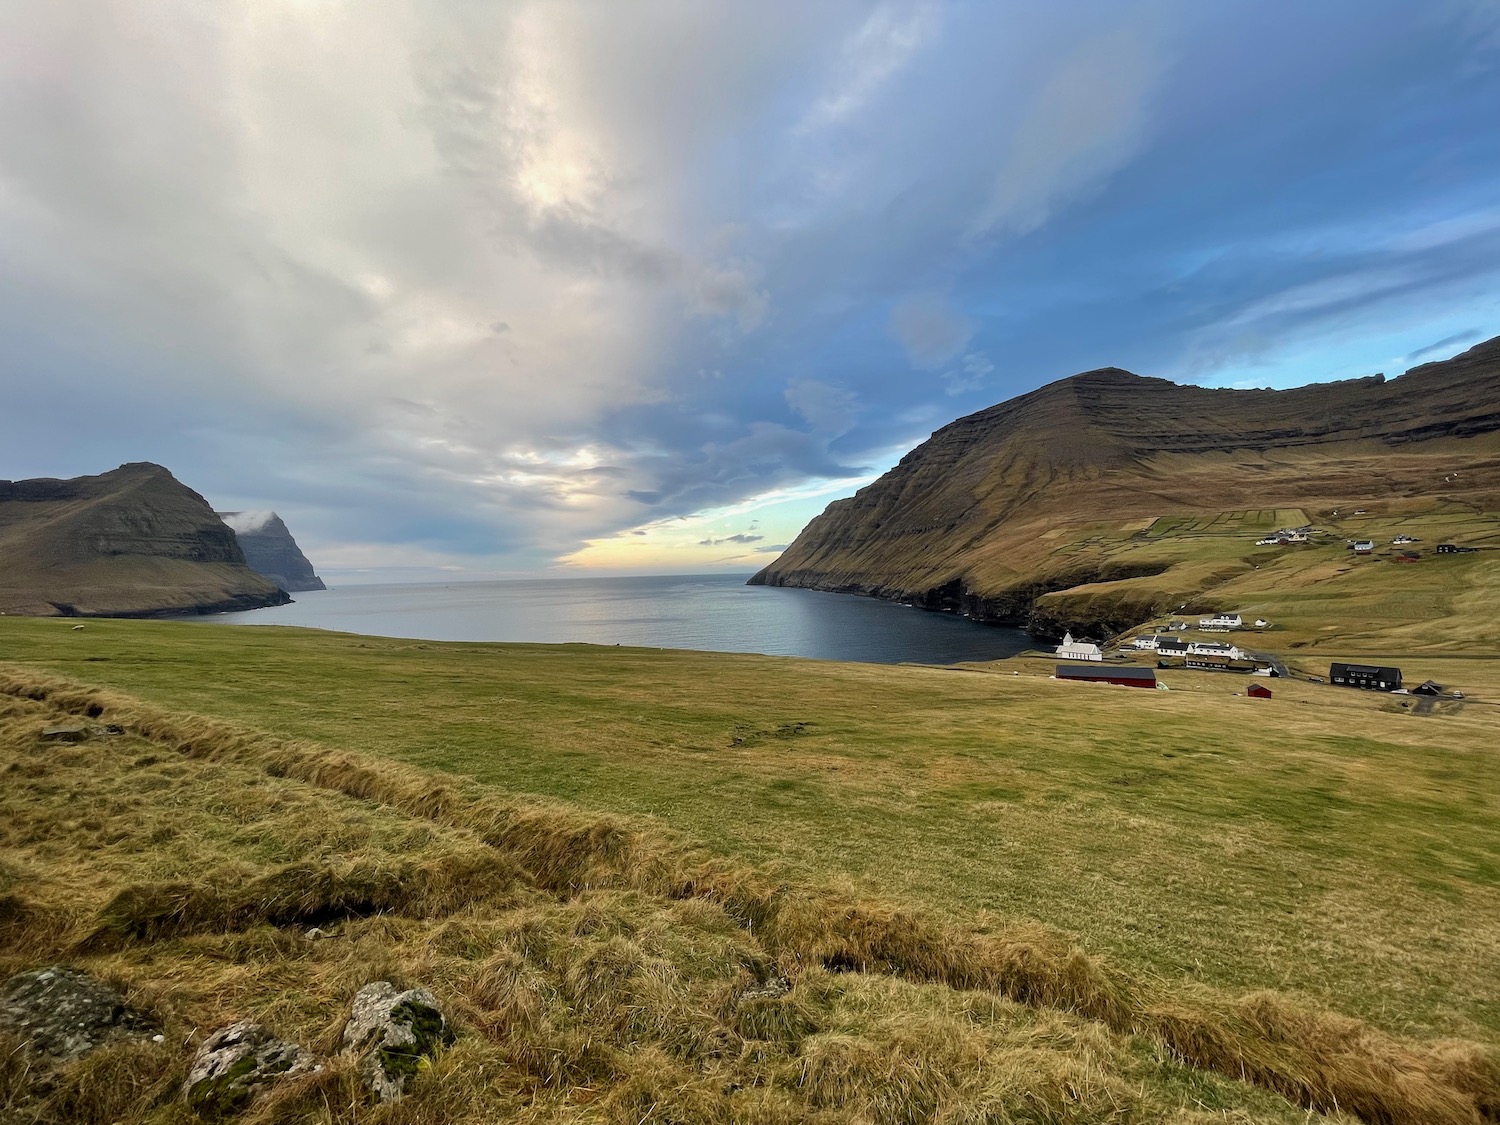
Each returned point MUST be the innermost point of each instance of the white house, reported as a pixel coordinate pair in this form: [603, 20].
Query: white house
[1078, 650]
[1147, 641]
[1221, 623]
[1402, 540]
[1215, 648]
[1364, 546]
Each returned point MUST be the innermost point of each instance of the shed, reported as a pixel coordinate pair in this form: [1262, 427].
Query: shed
[1428, 687]
[1258, 691]
[1129, 677]
[1370, 677]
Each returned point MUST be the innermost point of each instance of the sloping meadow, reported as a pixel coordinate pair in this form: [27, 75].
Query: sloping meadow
[596, 969]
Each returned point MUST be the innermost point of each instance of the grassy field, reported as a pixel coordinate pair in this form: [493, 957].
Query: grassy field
[1321, 843]
[595, 971]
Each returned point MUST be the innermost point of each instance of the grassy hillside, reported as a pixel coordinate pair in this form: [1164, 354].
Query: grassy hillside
[1325, 842]
[603, 970]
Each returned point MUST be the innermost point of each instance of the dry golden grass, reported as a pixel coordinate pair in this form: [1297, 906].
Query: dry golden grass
[598, 969]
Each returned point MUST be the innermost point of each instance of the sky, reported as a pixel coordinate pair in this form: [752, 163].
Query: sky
[476, 290]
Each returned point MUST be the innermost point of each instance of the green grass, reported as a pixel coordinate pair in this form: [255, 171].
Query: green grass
[1316, 843]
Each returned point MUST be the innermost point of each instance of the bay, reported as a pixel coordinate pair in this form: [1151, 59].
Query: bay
[714, 612]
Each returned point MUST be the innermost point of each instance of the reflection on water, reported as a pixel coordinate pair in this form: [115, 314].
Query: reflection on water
[711, 612]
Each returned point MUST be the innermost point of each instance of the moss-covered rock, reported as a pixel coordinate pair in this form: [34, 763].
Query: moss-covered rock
[393, 1032]
[235, 1062]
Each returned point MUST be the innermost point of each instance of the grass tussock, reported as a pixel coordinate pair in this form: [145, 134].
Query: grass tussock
[303, 894]
[604, 970]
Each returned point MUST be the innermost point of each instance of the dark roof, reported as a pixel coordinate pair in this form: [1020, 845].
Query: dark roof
[1103, 672]
[1428, 687]
[1382, 671]
[1171, 644]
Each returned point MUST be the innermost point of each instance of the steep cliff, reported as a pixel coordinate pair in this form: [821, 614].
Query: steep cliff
[1000, 509]
[271, 551]
[133, 542]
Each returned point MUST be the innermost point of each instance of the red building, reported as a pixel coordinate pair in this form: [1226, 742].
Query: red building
[1104, 674]
[1258, 691]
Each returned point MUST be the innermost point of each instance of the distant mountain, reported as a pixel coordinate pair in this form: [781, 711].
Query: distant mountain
[133, 542]
[1032, 496]
[271, 551]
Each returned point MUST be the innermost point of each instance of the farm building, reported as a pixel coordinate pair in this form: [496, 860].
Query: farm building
[1370, 677]
[1078, 650]
[1428, 687]
[1363, 546]
[1172, 647]
[1130, 677]
[1258, 691]
[1148, 642]
[1454, 549]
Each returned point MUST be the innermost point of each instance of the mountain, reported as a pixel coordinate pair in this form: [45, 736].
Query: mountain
[271, 551]
[132, 542]
[1070, 488]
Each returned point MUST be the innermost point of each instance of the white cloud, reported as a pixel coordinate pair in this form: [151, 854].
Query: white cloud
[884, 44]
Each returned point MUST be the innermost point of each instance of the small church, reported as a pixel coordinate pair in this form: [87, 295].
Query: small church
[1078, 650]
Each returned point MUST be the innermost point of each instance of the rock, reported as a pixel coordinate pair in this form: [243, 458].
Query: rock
[393, 1032]
[66, 1014]
[65, 732]
[235, 1061]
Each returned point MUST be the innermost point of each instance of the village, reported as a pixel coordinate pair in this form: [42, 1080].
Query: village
[1089, 662]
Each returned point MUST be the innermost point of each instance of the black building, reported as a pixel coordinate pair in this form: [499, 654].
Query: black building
[1371, 677]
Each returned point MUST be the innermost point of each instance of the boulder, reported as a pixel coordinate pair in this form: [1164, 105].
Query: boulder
[392, 1032]
[66, 1013]
[235, 1062]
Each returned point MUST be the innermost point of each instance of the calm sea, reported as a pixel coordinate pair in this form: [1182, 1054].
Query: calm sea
[717, 613]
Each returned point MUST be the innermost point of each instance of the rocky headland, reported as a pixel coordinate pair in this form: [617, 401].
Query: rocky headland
[132, 542]
[271, 551]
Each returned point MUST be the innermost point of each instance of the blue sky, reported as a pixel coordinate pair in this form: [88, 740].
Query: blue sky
[520, 288]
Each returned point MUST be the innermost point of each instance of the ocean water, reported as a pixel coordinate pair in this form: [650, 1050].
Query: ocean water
[716, 613]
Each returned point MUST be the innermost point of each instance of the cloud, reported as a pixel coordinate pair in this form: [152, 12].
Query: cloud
[884, 44]
[828, 408]
[243, 523]
[929, 329]
[1441, 348]
[1087, 121]
[742, 538]
[973, 371]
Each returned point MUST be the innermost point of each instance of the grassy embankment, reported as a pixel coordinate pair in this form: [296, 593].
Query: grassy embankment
[604, 971]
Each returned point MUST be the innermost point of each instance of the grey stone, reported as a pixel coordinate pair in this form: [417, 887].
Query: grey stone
[65, 732]
[66, 1013]
[392, 1032]
[235, 1061]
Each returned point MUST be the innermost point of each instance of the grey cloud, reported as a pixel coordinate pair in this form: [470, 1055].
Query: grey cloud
[930, 329]
[1440, 348]
[742, 538]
